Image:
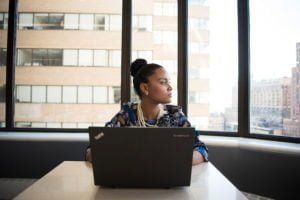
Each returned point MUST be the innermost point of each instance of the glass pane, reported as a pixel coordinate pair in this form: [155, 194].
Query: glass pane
[54, 94]
[213, 67]
[86, 22]
[85, 94]
[155, 37]
[41, 21]
[25, 21]
[275, 67]
[101, 58]
[71, 21]
[67, 62]
[3, 57]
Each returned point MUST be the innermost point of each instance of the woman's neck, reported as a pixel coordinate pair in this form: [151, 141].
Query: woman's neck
[150, 110]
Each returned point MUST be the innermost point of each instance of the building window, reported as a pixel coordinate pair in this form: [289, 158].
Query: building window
[165, 9]
[54, 94]
[3, 54]
[115, 23]
[38, 94]
[101, 22]
[40, 21]
[56, 21]
[85, 57]
[55, 57]
[71, 21]
[86, 22]
[70, 57]
[3, 20]
[85, 94]
[115, 58]
[24, 57]
[100, 94]
[23, 94]
[40, 57]
[142, 23]
[69, 94]
[101, 58]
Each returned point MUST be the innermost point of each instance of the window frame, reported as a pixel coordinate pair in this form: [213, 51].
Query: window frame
[182, 10]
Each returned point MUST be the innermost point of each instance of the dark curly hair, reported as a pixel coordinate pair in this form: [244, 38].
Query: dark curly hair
[140, 70]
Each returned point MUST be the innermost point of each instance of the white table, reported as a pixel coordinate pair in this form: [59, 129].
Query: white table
[74, 180]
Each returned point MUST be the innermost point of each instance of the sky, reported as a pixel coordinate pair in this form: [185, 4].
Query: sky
[274, 31]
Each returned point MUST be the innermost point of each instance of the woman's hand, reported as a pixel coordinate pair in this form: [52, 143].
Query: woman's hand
[197, 158]
[88, 155]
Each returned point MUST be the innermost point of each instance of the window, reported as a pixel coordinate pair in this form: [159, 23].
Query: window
[41, 21]
[23, 94]
[86, 22]
[3, 54]
[115, 58]
[212, 48]
[55, 57]
[274, 94]
[101, 58]
[24, 57]
[100, 94]
[3, 21]
[85, 94]
[85, 57]
[25, 21]
[56, 21]
[38, 94]
[70, 57]
[54, 94]
[69, 94]
[142, 23]
[71, 21]
[115, 23]
[101, 22]
[39, 57]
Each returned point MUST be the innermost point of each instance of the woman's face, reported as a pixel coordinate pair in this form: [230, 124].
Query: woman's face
[158, 86]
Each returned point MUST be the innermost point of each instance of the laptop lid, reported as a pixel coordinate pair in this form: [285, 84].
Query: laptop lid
[141, 157]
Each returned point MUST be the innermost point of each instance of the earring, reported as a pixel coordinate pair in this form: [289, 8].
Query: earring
[146, 93]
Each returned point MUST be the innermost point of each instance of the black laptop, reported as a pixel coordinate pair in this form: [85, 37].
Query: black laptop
[142, 157]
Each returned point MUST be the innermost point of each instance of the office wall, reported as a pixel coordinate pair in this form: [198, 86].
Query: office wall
[264, 173]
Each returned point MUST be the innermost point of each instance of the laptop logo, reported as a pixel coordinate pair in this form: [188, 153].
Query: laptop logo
[99, 135]
[181, 135]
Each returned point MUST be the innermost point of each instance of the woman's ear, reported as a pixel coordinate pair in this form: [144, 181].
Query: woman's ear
[144, 88]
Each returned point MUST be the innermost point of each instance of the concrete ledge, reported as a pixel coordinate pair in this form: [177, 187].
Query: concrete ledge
[221, 141]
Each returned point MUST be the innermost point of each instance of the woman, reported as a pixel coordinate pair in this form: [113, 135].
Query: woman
[152, 84]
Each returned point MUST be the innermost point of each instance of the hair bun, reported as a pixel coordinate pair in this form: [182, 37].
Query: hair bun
[136, 66]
